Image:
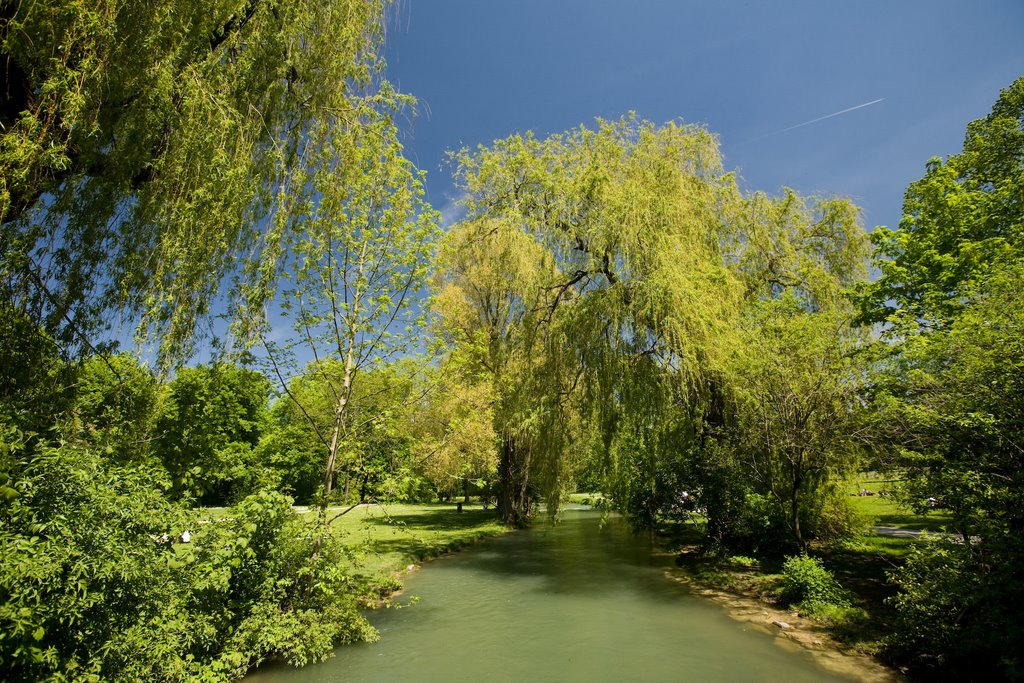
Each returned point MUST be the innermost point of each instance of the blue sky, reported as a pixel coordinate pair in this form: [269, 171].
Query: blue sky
[746, 69]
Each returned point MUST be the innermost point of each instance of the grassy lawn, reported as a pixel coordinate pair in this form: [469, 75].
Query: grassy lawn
[387, 538]
[885, 511]
[592, 499]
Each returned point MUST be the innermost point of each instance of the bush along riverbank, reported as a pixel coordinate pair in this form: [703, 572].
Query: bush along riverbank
[103, 578]
[841, 599]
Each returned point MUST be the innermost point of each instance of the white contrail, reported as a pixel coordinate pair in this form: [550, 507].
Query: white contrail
[822, 118]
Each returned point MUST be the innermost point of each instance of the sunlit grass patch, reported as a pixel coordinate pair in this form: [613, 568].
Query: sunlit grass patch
[385, 539]
[390, 537]
[880, 510]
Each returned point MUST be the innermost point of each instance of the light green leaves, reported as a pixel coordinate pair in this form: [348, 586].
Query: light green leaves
[959, 221]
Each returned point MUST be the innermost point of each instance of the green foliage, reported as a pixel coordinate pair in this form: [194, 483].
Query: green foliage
[960, 220]
[375, 461]
[957, 397]
[293, 454]
[581, 252]
[115, 406]
[208, 427]
[255, 592]
[93, 587]
[961, 410]
[949, 393]
[454, 445]
[356, 263]
[618, 290]
[34, 380]
[957, 610]
[144, 147]
[148, 155]
[808, 585]
[741, 561]
[86, 587]
[795, 389]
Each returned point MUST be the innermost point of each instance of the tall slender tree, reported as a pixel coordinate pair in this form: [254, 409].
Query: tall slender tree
[356, 264]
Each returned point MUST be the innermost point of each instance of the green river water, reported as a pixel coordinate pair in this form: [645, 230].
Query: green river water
[582, 601]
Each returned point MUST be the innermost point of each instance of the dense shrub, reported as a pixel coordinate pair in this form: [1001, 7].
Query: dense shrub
[958, 611]
[208, 429]
[93, 587]
[86, 587]
[743, 516]
[810, 586]
[266, 583]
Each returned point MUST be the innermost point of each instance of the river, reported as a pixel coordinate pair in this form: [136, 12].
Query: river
[581, 601]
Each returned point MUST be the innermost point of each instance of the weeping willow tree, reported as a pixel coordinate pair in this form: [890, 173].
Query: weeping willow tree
[794, 380]
[604, 278]
[588, 264]
[144, 148]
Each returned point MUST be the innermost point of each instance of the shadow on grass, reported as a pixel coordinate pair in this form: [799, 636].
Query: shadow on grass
[933, 522]
[414, 549]
[435, 520]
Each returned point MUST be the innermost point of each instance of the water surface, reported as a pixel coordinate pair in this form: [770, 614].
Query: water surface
[582, 601]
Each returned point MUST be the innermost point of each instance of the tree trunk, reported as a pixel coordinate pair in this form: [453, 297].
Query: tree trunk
[347, 345]
[340, 415]
[794, 511]
[513, 489]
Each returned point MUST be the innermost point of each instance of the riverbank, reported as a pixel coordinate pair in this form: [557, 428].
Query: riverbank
[849, 640]
[747, 594]
[389, 541]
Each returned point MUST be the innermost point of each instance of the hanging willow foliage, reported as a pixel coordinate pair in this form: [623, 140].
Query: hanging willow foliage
[601, 276]
[587, 260]
[144, 147]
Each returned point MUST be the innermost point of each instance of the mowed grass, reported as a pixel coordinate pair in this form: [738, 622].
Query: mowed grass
[385, 539]
[886, 511]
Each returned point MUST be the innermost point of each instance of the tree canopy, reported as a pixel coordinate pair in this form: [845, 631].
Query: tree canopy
[142, 150]
[599, 280]
[960, 220]
[946, 392]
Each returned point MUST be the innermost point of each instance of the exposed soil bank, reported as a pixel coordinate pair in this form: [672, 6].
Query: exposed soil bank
[791, 630]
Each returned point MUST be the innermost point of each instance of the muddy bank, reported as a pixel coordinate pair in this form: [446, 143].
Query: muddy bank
[791, 630]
